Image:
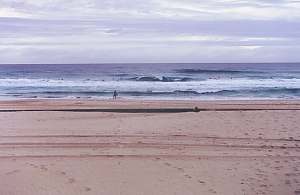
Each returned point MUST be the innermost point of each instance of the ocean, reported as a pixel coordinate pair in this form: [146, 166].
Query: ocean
[189, 81]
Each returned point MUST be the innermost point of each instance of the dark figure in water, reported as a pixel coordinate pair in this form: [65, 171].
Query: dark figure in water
[115, 95]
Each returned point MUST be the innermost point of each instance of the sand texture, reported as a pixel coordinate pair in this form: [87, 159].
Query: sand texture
[232, 148]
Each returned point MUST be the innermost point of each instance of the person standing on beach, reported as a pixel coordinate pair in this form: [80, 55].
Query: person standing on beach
[115, 95]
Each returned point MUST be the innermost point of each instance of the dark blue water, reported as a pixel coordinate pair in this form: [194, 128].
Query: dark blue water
[152, 81]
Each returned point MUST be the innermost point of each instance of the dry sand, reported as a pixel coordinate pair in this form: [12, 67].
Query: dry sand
[210, 152]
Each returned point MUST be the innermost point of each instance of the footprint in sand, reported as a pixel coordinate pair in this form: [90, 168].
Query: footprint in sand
[71, 180]
[277, 168]
[168, 164]
[202, 182]
[12, 172]
[44, 168]
[63, 173]
[188, 176]
[180, 169]
[33, 165]
[297, 192]
[263, 185]
[87, 189]
[288, 182]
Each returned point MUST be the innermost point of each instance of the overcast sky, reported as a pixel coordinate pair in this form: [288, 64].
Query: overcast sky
[100, 31]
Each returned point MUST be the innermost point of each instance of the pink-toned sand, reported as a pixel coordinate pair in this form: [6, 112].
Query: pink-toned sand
[210, 152]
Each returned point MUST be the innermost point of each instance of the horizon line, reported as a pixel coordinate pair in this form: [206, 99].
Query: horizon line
[86, 63]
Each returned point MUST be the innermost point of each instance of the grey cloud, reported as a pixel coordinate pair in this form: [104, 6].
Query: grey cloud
[156, 30]
[249, 28]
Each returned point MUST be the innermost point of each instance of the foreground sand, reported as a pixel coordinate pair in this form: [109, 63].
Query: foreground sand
[211, 152]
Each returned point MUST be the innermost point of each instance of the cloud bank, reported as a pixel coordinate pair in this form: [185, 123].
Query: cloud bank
[91, 31]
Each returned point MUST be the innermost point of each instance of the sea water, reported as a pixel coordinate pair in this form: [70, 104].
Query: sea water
[193, 81]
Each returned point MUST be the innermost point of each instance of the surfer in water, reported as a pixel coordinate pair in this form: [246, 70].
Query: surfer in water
[115, 94]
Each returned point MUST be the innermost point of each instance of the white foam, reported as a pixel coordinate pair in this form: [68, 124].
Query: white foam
[210, 85]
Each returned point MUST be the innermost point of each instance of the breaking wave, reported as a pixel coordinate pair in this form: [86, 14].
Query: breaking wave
[163, 79]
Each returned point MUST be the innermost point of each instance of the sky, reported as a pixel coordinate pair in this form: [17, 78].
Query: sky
[133, 31]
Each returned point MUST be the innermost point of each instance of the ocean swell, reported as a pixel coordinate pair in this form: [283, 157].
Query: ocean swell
[267, 92]
[207, 71]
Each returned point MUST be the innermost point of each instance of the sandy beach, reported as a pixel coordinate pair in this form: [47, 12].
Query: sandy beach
[229, 148]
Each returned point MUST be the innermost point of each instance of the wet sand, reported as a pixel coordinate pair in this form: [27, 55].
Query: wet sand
[231, 147]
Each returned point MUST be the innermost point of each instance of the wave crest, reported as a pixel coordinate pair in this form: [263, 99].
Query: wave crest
[163, 79]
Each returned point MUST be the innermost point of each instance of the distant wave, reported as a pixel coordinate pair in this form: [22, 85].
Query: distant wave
[204, 71]
[258, 92]
[163, 79]
[120, 74]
